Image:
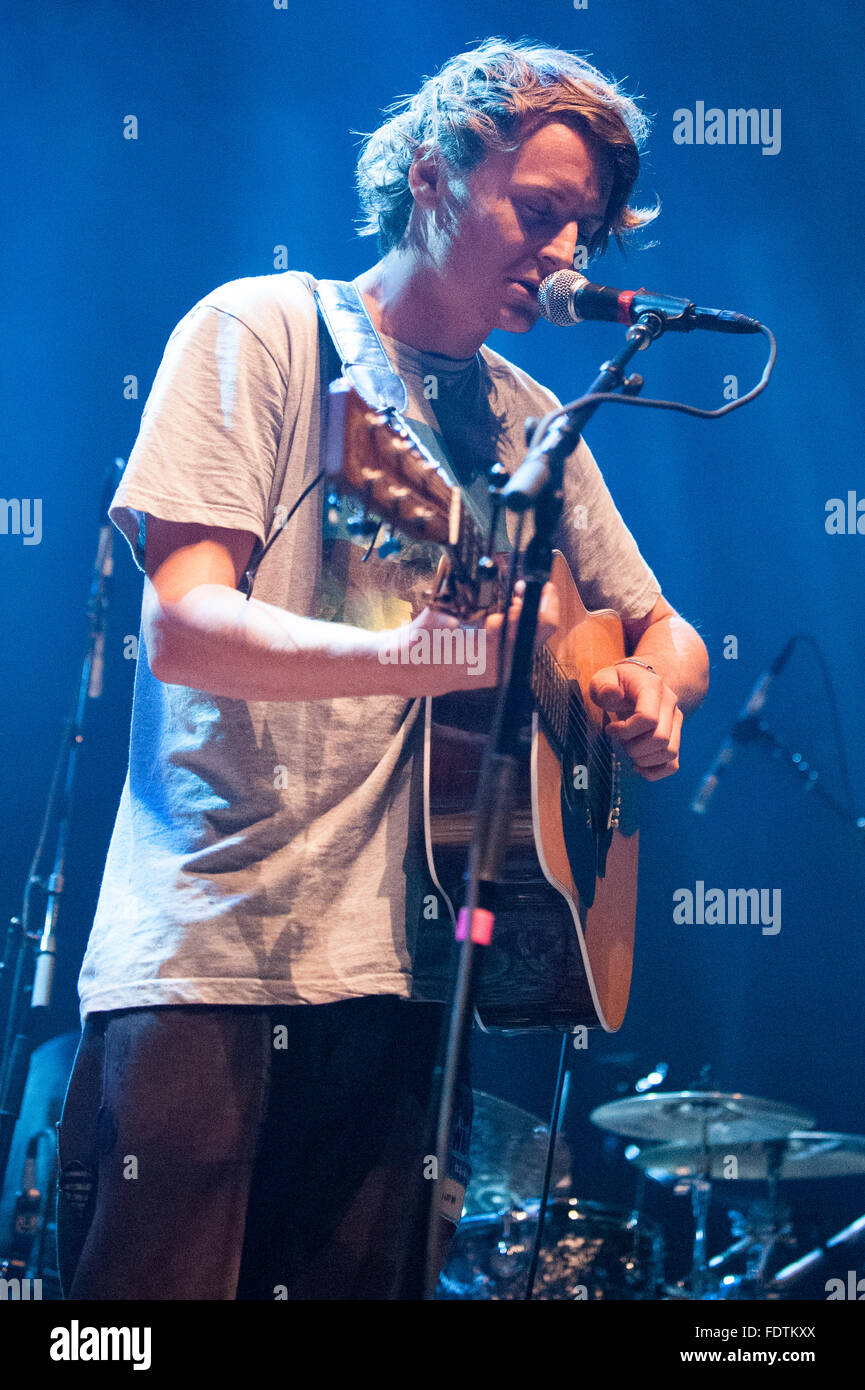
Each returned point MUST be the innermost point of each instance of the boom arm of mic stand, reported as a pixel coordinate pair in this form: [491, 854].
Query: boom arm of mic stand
[758, 731]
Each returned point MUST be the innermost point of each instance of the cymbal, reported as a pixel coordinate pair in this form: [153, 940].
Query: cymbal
[692, 1117]
[508, 1152]
[812, 1154]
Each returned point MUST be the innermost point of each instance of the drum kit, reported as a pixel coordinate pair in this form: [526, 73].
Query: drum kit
[687, 1141]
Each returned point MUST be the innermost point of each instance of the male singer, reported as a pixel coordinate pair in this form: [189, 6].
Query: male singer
[245, 1116]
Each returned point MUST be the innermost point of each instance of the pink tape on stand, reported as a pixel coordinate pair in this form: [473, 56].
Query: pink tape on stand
[482, 926]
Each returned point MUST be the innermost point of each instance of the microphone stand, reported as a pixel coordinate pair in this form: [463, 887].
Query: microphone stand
[27, 969]
[536, 485]
[754, 730]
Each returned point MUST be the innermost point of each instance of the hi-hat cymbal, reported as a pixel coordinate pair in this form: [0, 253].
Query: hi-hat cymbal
[508, 1153]
[695, 1117]
[812, 1154]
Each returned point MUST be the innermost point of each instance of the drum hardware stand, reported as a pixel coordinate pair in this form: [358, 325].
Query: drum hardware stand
[771, 1230]
[27, 970]
[30, 1218]
[701, 1196]
[790, 1273]
[700, 1189]
[757, 1233]
[760, 1229]
[756, 1239]
[742, 1243]
[537, 486]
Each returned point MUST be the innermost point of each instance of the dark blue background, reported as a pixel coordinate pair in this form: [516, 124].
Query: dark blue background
[246, 116]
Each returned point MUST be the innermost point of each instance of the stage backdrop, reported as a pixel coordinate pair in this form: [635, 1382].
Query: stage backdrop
[153, 153]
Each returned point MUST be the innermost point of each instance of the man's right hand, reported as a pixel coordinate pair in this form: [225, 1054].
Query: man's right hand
[436, 655]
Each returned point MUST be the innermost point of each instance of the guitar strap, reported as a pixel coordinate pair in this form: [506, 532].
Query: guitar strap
[367, 366]
[364, 362]
[359, 348]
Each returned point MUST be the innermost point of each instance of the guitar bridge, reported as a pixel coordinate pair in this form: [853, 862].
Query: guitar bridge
[615, 795]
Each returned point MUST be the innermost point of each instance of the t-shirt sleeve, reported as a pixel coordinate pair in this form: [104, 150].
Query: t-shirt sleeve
[209, 437]
[608, 568]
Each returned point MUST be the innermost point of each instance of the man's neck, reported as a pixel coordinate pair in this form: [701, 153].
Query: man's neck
[404, 299]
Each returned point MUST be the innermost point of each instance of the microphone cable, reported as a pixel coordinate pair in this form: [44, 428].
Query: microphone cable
[648, 403]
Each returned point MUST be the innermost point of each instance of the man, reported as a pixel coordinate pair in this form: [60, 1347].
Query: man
[245, 1118]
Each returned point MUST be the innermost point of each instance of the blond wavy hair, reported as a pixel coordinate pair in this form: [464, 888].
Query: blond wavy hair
[491, 98]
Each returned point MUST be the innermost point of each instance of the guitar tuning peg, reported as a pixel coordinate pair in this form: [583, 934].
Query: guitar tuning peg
[333, 504]
[498, 476]
[363, 525]
[487, 581]
[389, 546]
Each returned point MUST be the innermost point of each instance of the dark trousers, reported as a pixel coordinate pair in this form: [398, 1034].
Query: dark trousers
[236, 1152]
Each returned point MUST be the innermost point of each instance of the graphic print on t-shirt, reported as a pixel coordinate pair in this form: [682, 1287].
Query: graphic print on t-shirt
[364, 589]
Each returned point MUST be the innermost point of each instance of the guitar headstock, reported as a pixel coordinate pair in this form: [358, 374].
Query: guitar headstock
[379, 461]
[383, 465]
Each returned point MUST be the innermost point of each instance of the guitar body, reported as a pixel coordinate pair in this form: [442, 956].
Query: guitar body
[563, 943]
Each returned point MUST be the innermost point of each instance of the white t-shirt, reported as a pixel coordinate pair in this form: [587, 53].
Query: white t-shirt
[264, 852]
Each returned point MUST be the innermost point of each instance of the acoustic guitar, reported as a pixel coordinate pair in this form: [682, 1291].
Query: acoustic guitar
[562, 948]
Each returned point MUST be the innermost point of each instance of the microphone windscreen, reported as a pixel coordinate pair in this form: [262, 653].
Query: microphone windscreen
[554, 297]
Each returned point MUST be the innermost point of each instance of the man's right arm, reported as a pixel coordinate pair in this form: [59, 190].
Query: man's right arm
[201, 632]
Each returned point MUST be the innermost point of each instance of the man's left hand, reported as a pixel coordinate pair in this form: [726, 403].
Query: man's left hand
[645, 718]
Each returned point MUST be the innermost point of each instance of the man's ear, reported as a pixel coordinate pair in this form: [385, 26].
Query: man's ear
[424, 177]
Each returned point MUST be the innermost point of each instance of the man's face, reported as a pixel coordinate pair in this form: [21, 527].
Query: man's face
[516, 218]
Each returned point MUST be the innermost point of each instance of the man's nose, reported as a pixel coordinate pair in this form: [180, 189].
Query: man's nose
[559, 254]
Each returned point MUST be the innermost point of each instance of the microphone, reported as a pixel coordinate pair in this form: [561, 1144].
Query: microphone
[754, 703]
[566, 297]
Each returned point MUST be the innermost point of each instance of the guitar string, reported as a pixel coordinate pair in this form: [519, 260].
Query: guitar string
[598, 750]
[575, 710]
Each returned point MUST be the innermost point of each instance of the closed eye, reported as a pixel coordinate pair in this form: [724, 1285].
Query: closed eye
[536, 212]
[587, 230]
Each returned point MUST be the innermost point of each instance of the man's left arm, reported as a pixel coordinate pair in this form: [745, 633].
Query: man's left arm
[646, 707]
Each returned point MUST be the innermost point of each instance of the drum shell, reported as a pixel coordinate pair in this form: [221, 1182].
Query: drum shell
[589, 1252]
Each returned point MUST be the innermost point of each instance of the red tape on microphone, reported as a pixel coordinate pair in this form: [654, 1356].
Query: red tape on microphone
[625, 300]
